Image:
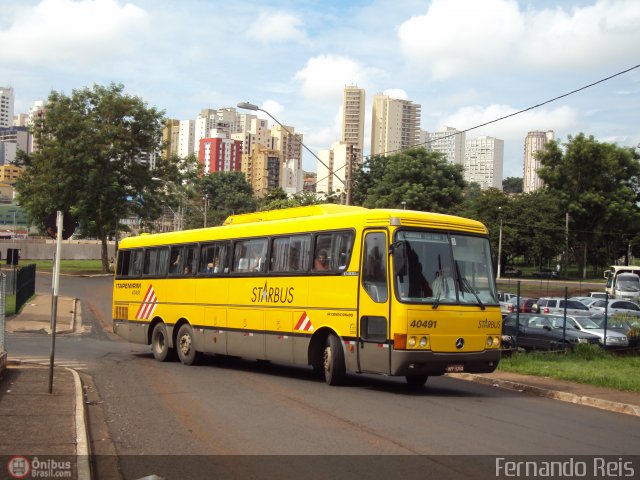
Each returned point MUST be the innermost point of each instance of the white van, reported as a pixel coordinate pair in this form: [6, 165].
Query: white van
[623, 281]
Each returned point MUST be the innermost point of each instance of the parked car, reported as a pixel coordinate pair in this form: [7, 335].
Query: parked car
[542, 332]
[587, 324]
[525, 304]
[545, 273]
[615, 306]
[598, 294]
[623, 324]
[551, 305]
[503, 298]
[512, 272]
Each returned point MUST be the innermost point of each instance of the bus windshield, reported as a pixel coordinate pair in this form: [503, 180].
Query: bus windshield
[443, 268]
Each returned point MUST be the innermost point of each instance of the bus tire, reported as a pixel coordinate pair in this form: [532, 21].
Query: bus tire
[160, 343]
[334, 366]
[186, 346]
[416, 381]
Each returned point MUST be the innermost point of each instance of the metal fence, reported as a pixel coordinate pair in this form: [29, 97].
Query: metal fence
[25, 284]
[3, 303]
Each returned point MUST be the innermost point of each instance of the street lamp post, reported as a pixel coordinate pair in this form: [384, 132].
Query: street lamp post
[500, 245]
[251, 106]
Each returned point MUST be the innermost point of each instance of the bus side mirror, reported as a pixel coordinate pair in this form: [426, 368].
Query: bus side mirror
[399, 251]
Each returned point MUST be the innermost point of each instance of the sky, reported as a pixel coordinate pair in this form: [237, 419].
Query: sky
[466, 62]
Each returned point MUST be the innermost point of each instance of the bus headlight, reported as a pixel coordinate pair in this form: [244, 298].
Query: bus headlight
[489, 342]
[423, 342]
[412, 342]
[496, 342]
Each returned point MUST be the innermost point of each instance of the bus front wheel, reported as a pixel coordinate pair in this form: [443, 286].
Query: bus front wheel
[334, 367]
[416, 381]
[160, 343]
[185, 345]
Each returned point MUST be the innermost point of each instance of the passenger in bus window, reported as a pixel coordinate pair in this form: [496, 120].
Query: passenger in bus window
[321, 262]
[209, 268]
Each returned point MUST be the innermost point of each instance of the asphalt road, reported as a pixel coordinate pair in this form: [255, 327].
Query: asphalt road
[230, 408]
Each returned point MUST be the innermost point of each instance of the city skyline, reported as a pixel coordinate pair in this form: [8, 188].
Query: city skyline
[464, 62]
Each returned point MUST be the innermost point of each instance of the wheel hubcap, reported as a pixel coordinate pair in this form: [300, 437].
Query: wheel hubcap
[327, 359]
[185, 344]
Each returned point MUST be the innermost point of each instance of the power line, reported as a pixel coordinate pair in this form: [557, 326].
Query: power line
[602, 80]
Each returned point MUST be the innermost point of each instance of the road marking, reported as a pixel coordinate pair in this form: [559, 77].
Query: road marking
[42, 360]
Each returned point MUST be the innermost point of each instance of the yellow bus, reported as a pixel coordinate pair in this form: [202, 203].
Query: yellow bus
[340, 288]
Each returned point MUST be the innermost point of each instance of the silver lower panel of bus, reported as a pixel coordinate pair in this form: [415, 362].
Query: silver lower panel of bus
[430, 363]
[131, 331]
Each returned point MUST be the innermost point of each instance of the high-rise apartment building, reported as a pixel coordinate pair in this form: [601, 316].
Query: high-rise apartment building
[449, 141]
[170, 138]
[262, 169]
[483, 161]
[289, 143]
[534, 142]
[13, 140]
[353, 102]
[395, 124]
[220, 155]
[6, 107]
[185, 138]
[331, 173]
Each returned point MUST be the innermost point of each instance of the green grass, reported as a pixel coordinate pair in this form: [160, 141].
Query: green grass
[588, 365]
[10, 305]
[77, 267]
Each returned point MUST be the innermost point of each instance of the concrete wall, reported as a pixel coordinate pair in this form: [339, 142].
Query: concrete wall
[45, 249]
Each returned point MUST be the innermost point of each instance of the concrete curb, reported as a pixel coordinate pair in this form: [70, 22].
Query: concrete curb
[82, 441]
[554, 394]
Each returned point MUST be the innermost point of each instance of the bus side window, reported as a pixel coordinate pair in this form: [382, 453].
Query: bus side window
[135, 268]
[124, 257]
[190, 260]
[175, 260]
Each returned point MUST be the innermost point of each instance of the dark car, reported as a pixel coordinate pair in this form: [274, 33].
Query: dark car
[541, 332]
[512, 272]
[545, 273]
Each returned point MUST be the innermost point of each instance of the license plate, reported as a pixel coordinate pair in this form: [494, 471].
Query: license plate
[455, 368]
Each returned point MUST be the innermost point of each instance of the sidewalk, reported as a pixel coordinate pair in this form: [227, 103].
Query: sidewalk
[44, 433]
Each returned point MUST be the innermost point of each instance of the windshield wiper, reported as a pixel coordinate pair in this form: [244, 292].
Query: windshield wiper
[465, 285]
[436, 302]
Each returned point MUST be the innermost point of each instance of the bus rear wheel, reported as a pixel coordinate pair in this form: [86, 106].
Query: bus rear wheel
[160, 343]
[334, 367]
[416, 381]
[186, 346]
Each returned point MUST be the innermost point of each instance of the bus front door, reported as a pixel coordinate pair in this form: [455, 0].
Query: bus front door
[373, 310]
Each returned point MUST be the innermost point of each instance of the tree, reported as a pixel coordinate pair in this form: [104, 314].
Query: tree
[228, 193]
[300, 199]
[413, 178]
[513, 185]
[598, 185]
[88, 161]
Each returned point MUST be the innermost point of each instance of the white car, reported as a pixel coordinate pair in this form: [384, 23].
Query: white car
[615, 306]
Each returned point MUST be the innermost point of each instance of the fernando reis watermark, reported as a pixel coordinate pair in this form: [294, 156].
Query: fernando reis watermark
[22, 467]
[597, 467]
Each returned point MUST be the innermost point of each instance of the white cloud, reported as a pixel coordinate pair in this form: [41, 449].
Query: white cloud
[466, 37]
[396, 93]
[324, 77]
[457, 36]
[72, 32]
[513, 129]
[277, 27]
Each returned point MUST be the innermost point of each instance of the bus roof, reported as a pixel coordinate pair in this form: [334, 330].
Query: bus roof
[309, 218]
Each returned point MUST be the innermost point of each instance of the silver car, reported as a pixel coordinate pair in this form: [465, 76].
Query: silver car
[555, 305]
[586, 324]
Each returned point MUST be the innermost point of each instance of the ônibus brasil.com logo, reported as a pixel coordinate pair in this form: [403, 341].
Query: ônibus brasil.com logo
[21, 467]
